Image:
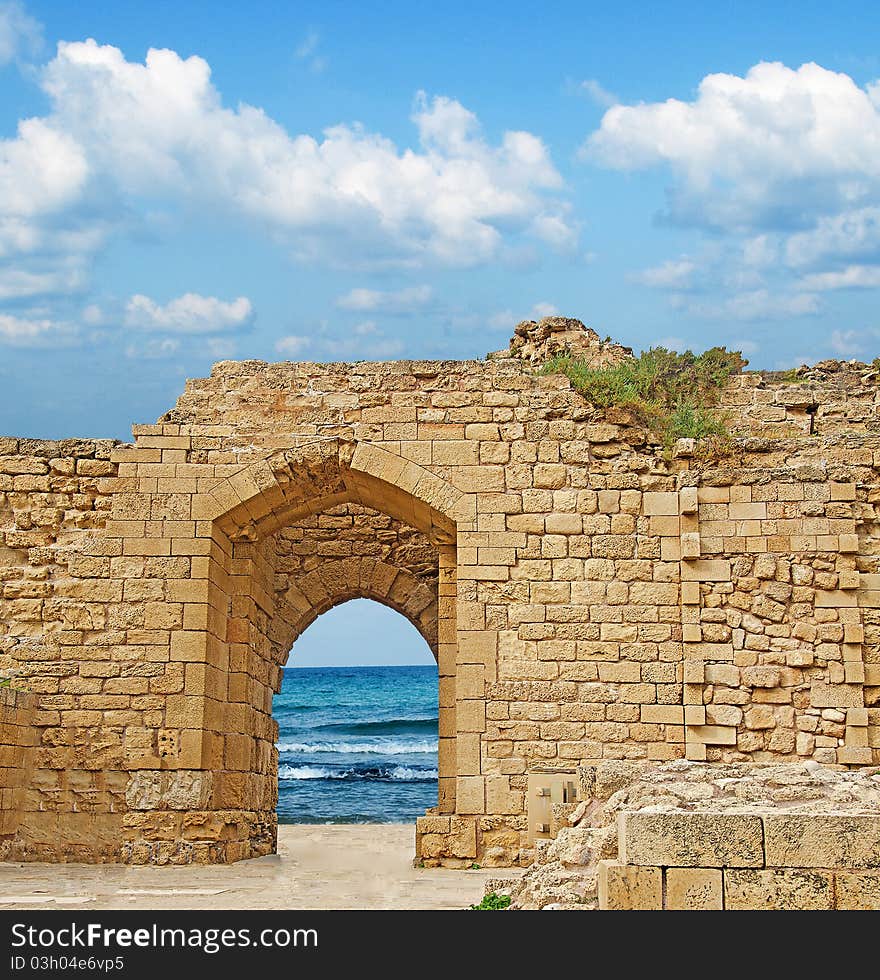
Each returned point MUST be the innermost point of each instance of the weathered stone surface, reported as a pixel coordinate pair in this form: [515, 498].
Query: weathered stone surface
[756, 793]
[857, 890]
[778, 889]
[709, 840]
[626, 887]
[693, 889]
[552, 335]
[183, 790]
[822, 840]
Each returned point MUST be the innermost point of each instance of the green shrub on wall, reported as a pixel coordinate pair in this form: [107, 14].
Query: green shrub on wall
[673, 394]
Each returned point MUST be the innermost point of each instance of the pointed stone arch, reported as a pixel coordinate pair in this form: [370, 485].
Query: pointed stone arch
[356, 578]
[260, 497]
[239, 646]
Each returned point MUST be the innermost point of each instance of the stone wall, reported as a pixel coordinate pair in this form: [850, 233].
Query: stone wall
[587, 594]
[691, 836]
[735, 861]
[16, 760]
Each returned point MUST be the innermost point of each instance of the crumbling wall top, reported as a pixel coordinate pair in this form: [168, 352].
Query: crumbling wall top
[539, 341]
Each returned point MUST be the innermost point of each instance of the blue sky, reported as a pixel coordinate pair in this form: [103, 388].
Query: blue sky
[190, 181]
[360, 632]
[341, 181]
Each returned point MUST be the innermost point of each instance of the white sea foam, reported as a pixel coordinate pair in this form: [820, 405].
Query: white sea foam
[396, 773]
[403, 773]
[395, 747]
[303, 772]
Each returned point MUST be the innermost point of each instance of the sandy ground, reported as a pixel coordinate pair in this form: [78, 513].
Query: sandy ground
[366, 866]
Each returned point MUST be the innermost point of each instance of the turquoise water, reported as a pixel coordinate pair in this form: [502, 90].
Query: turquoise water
[356, 744]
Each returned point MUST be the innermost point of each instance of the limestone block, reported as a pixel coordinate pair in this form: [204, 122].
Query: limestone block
[723, 714]
[174, 790]
[550, 475]
[660, 504]
[710, 651]
[670, 549]
[857, 717]
[822, 841]
[706, 570]
[856, 737]
[843, 491]
[470, 794]
[854, 756]
[852, 651]
[839, 599]
[691, 546]
[713, 495]
[702, 840]
[602, 432]
[664, 526]
[662, 714]
[760, 676]
[694, 714]
[711, 734]
[824, 695]
[777, 889]
[626, 887]
[853, 633]
[693, 889]
[690, 593]
[688, 500]
[611, 775]
[748, 511]
[858, 890]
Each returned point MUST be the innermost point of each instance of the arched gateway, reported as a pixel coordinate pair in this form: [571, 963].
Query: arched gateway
[587, 593]
[251, 602]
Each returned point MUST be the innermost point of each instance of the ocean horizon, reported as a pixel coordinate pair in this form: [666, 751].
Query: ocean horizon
[356, 744]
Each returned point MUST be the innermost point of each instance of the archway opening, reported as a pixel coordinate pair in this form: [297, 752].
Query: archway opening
[357, 717]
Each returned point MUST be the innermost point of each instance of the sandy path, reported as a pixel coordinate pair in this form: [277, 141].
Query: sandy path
[317, 867]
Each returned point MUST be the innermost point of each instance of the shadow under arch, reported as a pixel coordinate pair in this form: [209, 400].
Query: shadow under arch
[248, 634]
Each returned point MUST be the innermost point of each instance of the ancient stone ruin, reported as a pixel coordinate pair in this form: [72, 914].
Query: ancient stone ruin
[590, 594]
[687, 836]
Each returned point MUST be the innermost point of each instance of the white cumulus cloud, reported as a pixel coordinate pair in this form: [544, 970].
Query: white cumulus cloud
[756, 304]
[293, 345]
[544, 308]
[365, 340]
[19, 32]
[776, 148]
[160, 130]
[675, 273]
[189, 314]
[17, 331]
[405, 300]
[781, 167]
[596, 92]
[852, 277]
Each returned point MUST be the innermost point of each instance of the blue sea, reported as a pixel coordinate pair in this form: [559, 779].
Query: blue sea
[356, 744]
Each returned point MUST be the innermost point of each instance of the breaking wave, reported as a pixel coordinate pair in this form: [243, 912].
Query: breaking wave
[393, 726]
[404, 774]
[395, 747]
